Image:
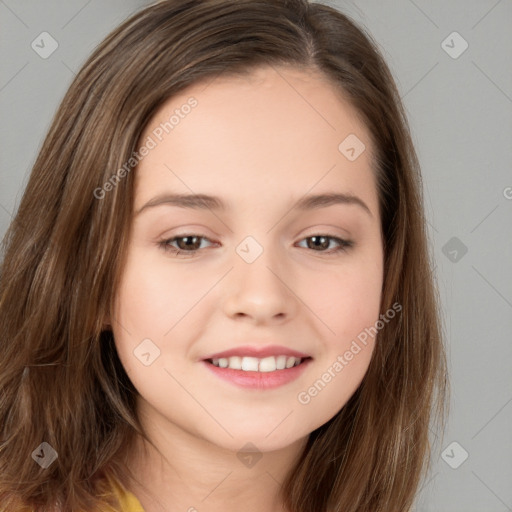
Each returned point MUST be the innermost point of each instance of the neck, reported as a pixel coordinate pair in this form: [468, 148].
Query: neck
[183, 472]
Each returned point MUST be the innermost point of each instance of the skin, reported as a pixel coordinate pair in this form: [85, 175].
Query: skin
[259, 142]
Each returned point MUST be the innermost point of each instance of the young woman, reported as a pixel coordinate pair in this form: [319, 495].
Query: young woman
[216, 293]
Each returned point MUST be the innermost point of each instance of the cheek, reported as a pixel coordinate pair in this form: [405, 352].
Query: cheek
[147, 308]
[347, 350]
[347, 300]
[348, 305]
[152, 298]
[351, 305]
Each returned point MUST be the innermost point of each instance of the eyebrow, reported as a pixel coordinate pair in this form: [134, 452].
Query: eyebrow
[207, 202]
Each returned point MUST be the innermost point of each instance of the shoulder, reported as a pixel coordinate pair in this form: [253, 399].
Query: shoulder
[128, 500]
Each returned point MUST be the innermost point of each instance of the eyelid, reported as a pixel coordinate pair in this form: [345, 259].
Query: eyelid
[326, 230]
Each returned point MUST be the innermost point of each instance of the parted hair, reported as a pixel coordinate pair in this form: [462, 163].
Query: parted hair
[61, 381]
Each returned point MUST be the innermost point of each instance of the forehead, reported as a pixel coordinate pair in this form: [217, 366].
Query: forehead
[274, 128]
[300, 94]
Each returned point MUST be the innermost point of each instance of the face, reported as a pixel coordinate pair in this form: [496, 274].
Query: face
[264, 270]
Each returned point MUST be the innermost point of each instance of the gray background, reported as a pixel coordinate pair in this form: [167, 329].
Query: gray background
[460, 114]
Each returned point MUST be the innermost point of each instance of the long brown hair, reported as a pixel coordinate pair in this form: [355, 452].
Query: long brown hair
[61, 381]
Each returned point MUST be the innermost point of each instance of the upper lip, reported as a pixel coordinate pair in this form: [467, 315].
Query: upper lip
[257, 351]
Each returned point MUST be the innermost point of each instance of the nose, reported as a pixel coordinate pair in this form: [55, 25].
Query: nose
[261, 291]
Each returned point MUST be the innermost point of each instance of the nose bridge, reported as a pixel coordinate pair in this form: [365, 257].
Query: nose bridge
[258, 280]
[259, 259]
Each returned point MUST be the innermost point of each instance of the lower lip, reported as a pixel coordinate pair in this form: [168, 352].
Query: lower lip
[259, 380]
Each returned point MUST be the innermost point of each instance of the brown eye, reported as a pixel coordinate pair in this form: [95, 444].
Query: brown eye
[186, 244]
[319, 243]
[189, 242]
[322, 242]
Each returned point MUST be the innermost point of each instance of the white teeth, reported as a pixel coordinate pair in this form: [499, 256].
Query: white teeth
[250, 364]
[253, 364]
[290, 362]
[281, 362]
[235, 363]
[268, 364]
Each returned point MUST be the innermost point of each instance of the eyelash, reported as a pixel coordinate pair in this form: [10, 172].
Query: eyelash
[344, 245]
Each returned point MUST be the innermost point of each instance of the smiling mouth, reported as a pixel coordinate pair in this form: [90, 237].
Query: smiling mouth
[259, 365]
